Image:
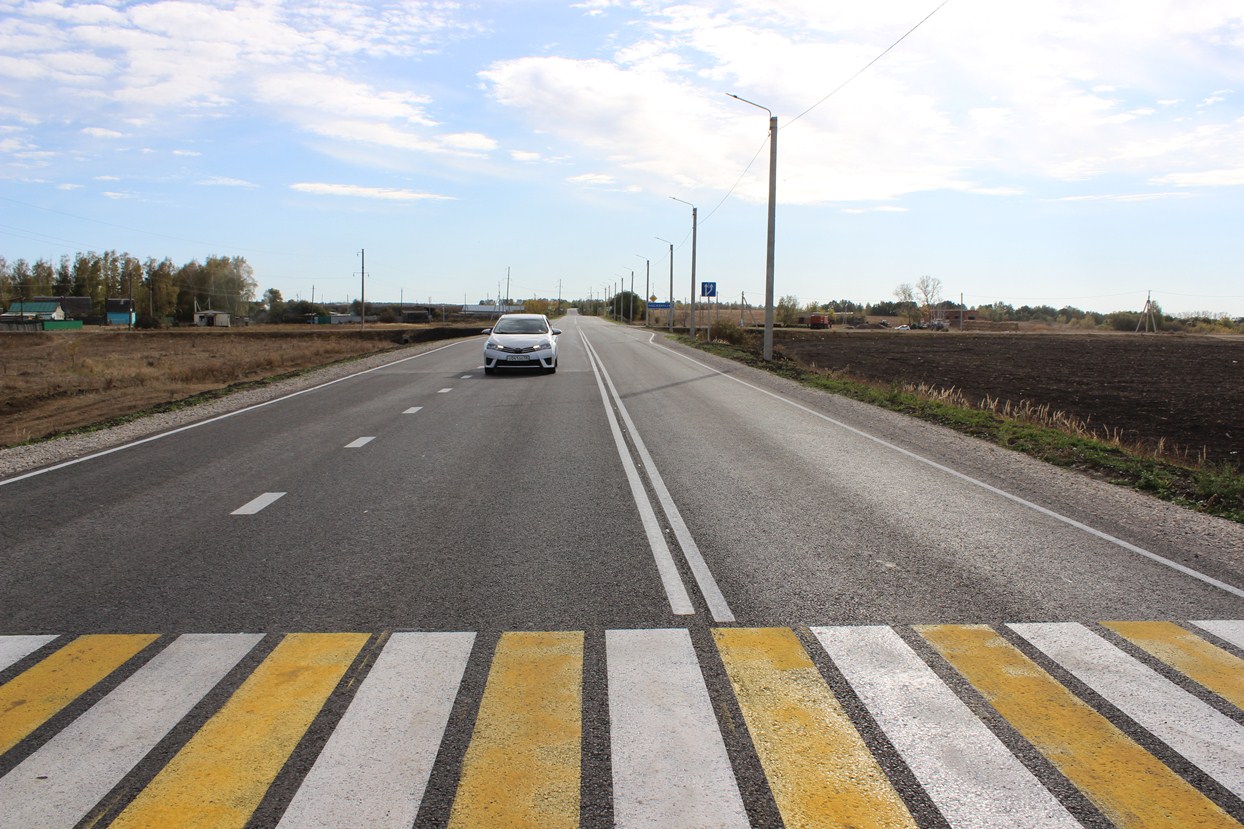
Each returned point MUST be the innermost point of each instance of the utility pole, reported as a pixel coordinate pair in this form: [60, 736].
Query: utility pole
[691, 317]
[507, 286]
[631, 317]
[363, 290]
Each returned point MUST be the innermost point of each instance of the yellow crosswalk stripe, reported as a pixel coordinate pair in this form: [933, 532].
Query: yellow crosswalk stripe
[1130, 786]
[220, 776]
[1192, 656]
[819, 769]
[33, 697]
[522, 767]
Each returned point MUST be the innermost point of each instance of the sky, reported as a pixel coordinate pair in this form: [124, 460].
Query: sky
[1056, 153]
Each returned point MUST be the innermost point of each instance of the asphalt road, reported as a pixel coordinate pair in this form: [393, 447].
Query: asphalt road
[652, 589]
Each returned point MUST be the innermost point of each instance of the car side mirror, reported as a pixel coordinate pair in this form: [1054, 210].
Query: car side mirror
[556, 331]
[486, 331]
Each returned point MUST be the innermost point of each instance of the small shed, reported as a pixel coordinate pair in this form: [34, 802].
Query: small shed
[120, 311]
[212, 319]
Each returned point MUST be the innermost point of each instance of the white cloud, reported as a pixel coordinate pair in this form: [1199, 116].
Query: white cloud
[69, 186]
[225, 181]
[187, 153]
[1207, 178]
[1122, 197]
[593, 179]
[362, 192]
[101, 132]
[107, 178]
[117, 196]
[524, 155]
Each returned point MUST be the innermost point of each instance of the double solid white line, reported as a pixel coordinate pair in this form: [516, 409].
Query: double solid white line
[680, 602]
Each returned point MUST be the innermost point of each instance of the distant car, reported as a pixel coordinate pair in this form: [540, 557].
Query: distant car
[521, 341]
[903, 328]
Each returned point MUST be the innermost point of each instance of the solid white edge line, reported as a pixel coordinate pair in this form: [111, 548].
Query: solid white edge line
[713, 596]
[1104, 536]
[197, 424]
[1228, 630]
[360, 443]
[17, 647]
[257, 504]
[675, 590]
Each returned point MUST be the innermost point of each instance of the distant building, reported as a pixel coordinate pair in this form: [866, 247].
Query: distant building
[119, 312]
[75, 307]
[212, 319]
[32, 311]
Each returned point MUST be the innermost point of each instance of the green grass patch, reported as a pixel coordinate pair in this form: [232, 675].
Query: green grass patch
[1214, 490]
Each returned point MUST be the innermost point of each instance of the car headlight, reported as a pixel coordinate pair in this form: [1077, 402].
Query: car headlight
[544, 346]
[494, 346]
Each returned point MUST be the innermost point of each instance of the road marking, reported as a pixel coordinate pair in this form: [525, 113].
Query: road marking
[1207, 738]
[1228, 631]
[1071, 522]
[671, 581]
[58, 785]
[413, 409]
[717, 605]
[972, 778]
[375, 766]
[359, 443]
[31, 698]
[252, 507]
[522, 768]
[224, 416]
[820, 770]
[1130, 786]
[220, 776]
[445, 391]
[16, 648]
[670, 766]
[1212, 667]
[466, 377]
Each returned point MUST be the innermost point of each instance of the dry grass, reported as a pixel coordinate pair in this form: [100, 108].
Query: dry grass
[58, 381]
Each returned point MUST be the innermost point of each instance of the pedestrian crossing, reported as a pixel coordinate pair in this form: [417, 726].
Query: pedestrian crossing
[1130, 724]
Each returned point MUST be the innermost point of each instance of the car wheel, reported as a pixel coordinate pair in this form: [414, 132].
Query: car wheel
[552, 370]
[488, 370]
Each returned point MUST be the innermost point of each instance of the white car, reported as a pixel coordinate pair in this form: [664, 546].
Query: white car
[521, 341]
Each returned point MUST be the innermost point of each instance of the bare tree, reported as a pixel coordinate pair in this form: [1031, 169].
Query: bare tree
[929, 289]
[906, 296]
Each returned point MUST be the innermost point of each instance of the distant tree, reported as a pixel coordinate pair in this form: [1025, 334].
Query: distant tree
[906, 296]
[62, 285]
[929, 292]
[42, 275]
[536, 306]
[787, 310]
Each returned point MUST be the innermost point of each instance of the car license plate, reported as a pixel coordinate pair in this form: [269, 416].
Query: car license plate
[522, 358]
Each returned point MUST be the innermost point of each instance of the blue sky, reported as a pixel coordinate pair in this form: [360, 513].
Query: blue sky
[1050, 153]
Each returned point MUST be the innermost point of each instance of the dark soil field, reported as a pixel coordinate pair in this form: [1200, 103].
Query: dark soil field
[1187, 391]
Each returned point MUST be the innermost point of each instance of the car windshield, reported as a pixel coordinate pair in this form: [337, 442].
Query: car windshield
[520, 326]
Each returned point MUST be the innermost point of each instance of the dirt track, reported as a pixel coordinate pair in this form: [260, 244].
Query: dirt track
[1188, 390]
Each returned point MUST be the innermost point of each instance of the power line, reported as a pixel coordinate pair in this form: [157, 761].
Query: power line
[867, 66]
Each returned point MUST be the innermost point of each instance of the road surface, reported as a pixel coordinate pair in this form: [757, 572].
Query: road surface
[654, 589]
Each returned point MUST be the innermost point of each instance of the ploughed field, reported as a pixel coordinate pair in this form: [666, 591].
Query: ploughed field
[1185, 390]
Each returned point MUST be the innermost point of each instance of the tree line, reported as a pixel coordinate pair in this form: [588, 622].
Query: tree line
[160, 288]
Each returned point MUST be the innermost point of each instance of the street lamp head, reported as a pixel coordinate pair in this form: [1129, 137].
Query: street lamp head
[689, 204]
[753, 103]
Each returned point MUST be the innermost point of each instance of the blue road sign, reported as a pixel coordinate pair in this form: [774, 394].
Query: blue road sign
[658, 305]
[708, 289]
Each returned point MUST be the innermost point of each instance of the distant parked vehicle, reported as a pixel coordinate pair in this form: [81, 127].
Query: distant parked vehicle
[903, 328]
[819, 321]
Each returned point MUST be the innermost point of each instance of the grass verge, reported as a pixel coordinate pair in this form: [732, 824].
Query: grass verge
[1204, 487]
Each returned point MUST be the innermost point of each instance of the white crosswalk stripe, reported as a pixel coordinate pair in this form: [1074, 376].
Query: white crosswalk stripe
[674, 748]
[373, 770]
[58, 784]
[1207, 738]
[968, 773]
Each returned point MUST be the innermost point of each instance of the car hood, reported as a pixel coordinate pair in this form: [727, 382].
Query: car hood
[520, 340]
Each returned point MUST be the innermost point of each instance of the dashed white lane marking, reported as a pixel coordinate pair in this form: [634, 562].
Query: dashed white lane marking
[375, 766]
[265, 500]
[1228, 631]
[412, 410]
[59, 784]
[14, 648]
[445, 391]
[968, 773]
[466, 377]
[670, 766]
[1206, 737]
[355, 444]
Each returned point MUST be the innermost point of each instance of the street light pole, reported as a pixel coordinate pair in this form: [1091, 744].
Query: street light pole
[691, 328]
[671, 244]
[647, 287]
[773, 133]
